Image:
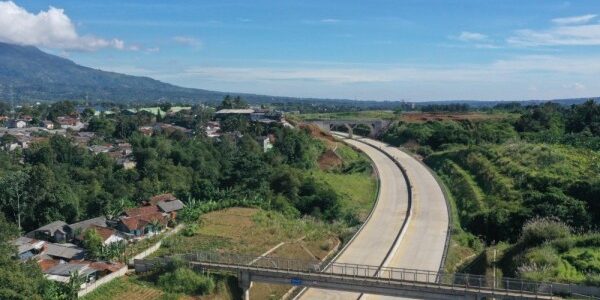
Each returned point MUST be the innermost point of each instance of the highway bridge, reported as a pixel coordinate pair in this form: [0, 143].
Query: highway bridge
[376, 126]
[417, 284]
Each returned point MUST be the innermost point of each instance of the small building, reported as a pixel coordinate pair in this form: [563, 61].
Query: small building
[78, 228]
[97, 149]
[146, 130]
[17, 123]
[67, 122]
[108, 235]
[126, 163]
[171, 207]
[162, 197]
[213, 129]
[236, 111]
[265, 142]
[53, 232]
[66, 252]
[62, 272]
[28, 247]
[140, 221]
[142, 225]
[47, 124]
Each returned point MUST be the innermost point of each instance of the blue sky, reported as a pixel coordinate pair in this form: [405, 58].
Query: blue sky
[383, 50]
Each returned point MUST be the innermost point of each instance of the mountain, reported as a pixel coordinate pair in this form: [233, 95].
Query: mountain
[28, 74]
[33, 75]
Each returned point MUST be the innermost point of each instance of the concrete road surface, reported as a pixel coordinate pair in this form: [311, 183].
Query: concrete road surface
[377, 237]
[422, 247]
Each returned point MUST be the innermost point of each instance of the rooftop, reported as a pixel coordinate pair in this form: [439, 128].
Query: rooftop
[52, 227]
[162, 197]
[235, 111]
[64, 251]
[169, 206]
[85, 224]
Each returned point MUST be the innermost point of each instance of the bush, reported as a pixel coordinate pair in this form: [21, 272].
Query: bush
[186, 281]
[190, 230]
[538, 231]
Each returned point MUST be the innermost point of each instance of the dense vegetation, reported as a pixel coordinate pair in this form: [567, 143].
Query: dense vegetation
[503, 173]
[57, 179]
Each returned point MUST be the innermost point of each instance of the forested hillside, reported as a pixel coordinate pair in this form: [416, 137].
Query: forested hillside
[537, 170]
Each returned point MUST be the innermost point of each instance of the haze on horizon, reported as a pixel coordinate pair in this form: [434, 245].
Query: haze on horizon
[382, 50]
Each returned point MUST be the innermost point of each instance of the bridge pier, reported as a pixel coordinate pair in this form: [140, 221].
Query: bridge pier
[245, 282]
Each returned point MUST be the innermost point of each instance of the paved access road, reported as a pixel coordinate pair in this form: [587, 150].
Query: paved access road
[373, 242]
[422, 246]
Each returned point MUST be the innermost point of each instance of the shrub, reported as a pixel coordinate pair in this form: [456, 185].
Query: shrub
[190, 230]
[538, 231]
[184, 280]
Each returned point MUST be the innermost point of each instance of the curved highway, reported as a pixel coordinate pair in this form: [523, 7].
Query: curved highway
[422, 244]
[372, 244]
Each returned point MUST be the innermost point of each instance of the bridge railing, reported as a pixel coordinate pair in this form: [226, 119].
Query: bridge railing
[366, 272]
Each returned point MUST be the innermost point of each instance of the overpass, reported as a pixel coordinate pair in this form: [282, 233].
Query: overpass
[376, 126]
[355, 278]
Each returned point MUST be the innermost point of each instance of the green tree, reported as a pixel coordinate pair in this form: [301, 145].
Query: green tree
[92, 243]
[18, 280]
[14, 194]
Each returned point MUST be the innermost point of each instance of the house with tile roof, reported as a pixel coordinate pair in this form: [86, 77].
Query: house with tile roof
[141, 221]
[108, 235]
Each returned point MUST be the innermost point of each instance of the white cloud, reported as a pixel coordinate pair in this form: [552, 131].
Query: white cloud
[575, 86]
[574, 20]
[188, 41]
[570, 31]
[330, 20]
[531, 66]
[519, 77]
[467, 36]
[51, 28]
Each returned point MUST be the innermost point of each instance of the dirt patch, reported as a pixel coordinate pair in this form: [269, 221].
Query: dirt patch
[329, 160]
[317, 133]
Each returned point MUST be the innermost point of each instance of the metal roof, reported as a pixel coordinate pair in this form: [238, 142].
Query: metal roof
[85, 224]
[169, 206]
[66, 252]
[52, 227]
[235, 111]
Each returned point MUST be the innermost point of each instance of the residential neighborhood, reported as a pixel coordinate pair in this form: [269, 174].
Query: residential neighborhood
[60, 248]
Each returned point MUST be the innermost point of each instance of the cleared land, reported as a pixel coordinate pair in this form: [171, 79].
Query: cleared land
[408, 117]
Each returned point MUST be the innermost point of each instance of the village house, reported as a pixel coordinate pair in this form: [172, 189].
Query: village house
[28, 247]
[64, 252]
[126, 163]
[108, 235]
[266, 142]
[61, 272]
[47, 124]
[213, 129]
[18, 123]
[146, 130]
[97, 149]
[141, 221]
[67, 122]
[78, 228]
[53, 232]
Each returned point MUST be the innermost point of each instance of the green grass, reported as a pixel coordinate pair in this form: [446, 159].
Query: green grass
[357, 115]
[357, 190]
[245, 230]
[125, 288]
